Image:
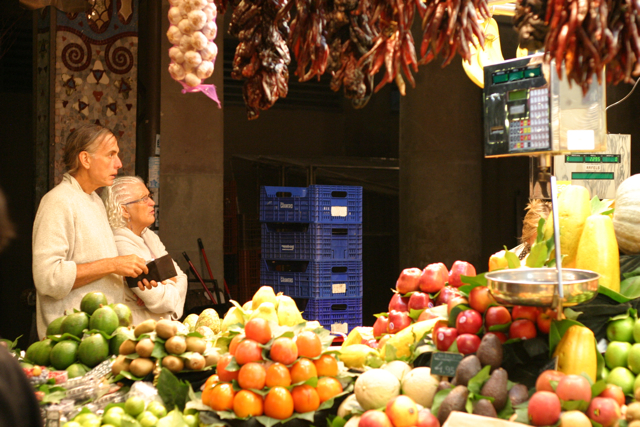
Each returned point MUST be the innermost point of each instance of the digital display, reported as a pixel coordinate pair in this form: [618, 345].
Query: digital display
[516, 75]
[532, 72]
[500, 77]
[591, 175]
[592, 159]
[574, 159]
[611, 159]
[518, 95]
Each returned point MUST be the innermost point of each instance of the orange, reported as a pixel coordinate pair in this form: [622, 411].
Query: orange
[309, 345]
[278, 375]
[284, 350]
[278, 403]
[305, 398]
[258, 329]
[207, 391]
[327, 366]
[302, 370]
[247, 404]
[248, 351]
[223, 374]
[328, 387]
[233, 345]
[252, 375]
[211, 381]
[221, 398]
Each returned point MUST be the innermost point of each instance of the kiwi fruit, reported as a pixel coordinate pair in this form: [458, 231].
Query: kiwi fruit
[120, 364]
[633, 412]
[173, 363]
[145, 327]
[176, 345]
[127, 347]
[166, 328]
[496, 387]
[456, 400]
[467, 369]
[196, 344]
[485, 408]
[144, 348]
[195, 362]
[141, 367]
[490, 351]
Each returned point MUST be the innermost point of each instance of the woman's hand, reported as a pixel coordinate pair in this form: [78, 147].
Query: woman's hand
[139, 301]
[146, 284]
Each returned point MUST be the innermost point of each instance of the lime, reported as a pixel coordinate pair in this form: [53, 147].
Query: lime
[71, 424]
[134, 406]
[113, 417]
[621, 330]
[191, 420]
[617, 354]
[147, 419]
[92, 422]
[157, 409]
[622, 377]
[84, 416]
[636, 330]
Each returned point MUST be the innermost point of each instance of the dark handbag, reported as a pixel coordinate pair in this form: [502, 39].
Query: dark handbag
[159, 269]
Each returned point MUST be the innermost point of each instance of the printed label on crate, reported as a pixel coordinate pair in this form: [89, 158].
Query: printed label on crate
[286, 205]
[339, 288]
[340, 327]
[288, 248]
[339, 211]
[286, 279]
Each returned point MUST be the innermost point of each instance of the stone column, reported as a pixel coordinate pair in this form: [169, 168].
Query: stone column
[441, 168]
[191, 166]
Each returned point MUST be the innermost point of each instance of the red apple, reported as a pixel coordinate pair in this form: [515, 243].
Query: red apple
[380, 326]
[469, 322]
[460, 268]
[523, 328]
[457, 300]
[374, 418]
[399, 303]
[543, 383]
[419, 301]
[604, 410]
[574, 387]
[445, 337]
[398, 320]
[524, 312]
[439, 324]
[446, 294]
[501, 336]
[408, 280]
[426, 315]
[544, 320]
[496, 315]
[480, 298]
[433, 278]
[614, 392]
[544, 408]
[427, 419]
[468, 343]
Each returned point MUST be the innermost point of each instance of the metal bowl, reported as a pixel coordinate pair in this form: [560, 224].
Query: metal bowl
[538, 286]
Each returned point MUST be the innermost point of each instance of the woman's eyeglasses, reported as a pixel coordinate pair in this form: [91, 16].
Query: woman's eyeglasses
[144, 199]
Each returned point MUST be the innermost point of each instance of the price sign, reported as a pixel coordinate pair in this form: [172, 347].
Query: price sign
[443, 363]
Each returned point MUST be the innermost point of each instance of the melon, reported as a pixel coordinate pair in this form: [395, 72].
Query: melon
[626, 217]
[93, 350]
[64, 354]
[75, 323]
[104, 319]
[375, 387]
[54, 327]
[76, 370]
[40, 352]
[93, 301]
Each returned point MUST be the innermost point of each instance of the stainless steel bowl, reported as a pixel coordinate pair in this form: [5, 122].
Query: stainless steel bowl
[538, 286]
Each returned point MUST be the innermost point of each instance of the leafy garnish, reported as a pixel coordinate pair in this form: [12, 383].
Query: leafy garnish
[173, 391]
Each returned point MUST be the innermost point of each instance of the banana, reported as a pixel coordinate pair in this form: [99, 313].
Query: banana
[406, 337]
[480, 58]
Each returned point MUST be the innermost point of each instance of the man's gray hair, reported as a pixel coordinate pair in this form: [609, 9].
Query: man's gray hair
[86, 137]
[115, 196]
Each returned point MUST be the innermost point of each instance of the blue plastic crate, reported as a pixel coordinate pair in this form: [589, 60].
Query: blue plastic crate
[313, 279]
[316, 242]
[336, 315]
[317, 203]
[336, 204]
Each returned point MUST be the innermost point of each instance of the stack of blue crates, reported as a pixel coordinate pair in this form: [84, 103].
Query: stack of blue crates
[312, 250]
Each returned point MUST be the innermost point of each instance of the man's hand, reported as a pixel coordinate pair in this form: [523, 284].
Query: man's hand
[130, 266]
[144, 283]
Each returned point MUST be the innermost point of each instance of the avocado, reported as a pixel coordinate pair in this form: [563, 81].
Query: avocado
[467, 369]
[456, 400]
[485, 408]
[490, 351]
[496, 387]
[444, 385]
[518, 394]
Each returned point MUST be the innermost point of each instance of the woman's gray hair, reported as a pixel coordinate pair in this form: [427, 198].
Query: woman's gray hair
[115, 196]
[86, 137]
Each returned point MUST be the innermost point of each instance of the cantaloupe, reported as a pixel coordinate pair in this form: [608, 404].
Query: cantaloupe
[626, 217]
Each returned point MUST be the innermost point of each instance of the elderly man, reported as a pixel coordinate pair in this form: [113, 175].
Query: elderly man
[74, 250]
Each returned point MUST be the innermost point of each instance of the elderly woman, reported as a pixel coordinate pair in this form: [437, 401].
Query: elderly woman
[130, 209]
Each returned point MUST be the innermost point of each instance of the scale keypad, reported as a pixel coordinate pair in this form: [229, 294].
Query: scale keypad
[532, 132]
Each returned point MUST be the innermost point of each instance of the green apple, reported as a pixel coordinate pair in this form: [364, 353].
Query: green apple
[617, 354]
[134, 406]
[622, 377]
[92, 422]
[84, 416]
[71, 424]
[157, 409]
[633, 360]
[621, 330]
[604, 371]
[191, 420]
[113, 416]
[147, 419]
